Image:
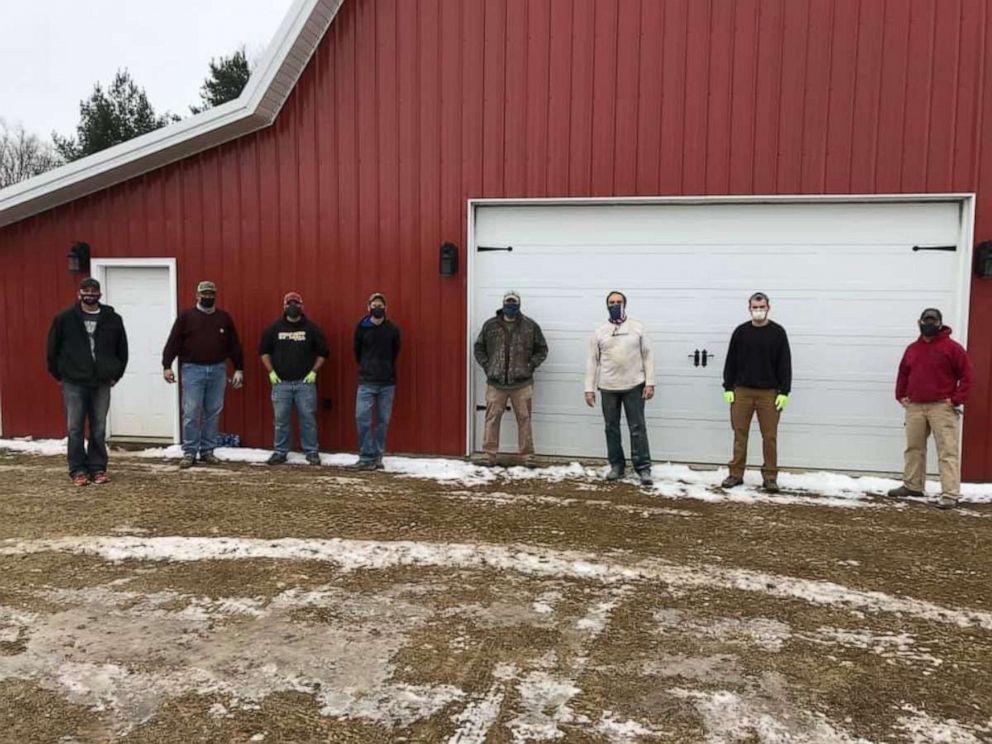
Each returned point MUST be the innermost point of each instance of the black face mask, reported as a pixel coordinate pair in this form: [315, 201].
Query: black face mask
[207, 302]
[90, 300]
[378, 312]
[929, 329]
[293, 312]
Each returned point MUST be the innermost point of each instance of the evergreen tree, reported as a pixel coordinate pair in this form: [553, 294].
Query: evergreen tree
[110, 117]
[228, 77]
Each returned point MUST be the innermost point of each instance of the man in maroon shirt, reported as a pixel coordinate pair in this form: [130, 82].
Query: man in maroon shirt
[933, 383]
[204, 338]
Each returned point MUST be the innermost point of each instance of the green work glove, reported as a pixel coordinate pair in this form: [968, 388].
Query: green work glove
[728, 396]
[781, 401]
[311, 378]
[274, 378]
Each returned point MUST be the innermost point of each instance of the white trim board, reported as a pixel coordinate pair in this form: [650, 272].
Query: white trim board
[270, 85]
[98, 270]
[966, 237]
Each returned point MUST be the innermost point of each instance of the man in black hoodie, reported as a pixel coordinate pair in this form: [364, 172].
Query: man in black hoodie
[87, 354]
[293, 349]
[377, 344]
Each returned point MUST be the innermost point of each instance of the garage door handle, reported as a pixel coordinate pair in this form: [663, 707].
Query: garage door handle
[695, 358]
[935, 247]
[483, 408]
[707, 357]
[483, 248]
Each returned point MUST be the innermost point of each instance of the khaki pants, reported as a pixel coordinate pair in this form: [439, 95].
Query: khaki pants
[944, 422]
[521, 399]
[747, 402]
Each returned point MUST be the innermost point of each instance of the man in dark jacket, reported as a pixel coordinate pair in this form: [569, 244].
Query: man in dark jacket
[376, 344]
[757, 378]
[203, 338]
[87, 354]
[933, 383]
[293, 349]
[509, 348]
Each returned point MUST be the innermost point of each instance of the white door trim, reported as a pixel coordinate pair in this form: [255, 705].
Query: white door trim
[966, 200]
[98, 270]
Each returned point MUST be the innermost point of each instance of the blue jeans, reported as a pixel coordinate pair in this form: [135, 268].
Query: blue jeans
[372, 442]
[284, 395]
[632, 402]
[84, 402]
[203, 400]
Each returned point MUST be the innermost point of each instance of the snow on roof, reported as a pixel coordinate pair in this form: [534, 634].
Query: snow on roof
[256, 108]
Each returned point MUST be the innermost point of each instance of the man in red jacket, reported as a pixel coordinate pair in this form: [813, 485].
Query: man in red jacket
[934, 380]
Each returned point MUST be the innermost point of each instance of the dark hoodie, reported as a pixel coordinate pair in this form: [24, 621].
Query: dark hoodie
[294, 347]
[935, 370]
[68, 350]
[376, 348]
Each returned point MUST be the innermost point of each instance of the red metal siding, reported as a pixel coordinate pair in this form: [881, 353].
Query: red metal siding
[410, 107]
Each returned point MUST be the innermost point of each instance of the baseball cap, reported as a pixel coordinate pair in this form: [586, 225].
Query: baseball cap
[932, 313]
[512, 295]
[377, 296]
[292, 297]
[206, 286]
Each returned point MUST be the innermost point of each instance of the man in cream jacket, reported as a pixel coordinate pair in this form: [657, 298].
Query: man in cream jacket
[621, 366]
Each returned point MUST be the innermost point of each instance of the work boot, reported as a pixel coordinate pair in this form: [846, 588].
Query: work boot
[946, 502]
[365, 465]
[276, 458]
[188, 461]
[645, 477]
[903, 493]
[731, 481]
[313, 458]
[615, 474]
[210, 458]
[770, 486]
[378, 464]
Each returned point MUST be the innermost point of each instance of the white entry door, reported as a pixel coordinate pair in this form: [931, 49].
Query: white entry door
[142, 405]
[844, 280]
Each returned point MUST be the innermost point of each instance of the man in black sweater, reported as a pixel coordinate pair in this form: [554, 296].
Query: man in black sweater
[377, 344]
[293, 349]
[757, 378]
[204, 338]
[87, 354]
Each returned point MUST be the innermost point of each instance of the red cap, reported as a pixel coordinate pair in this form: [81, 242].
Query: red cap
[292, 297]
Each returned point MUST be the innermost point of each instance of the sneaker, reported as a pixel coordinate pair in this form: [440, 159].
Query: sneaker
[188, 461]
[378, 464]
[210, 458]
[615, 474]
[645, 477]
[100, 478]
[903, 493]
[946, 502]
[731, 481]
[365, 465]
[80, 479]
[276, 458]
[313, 458]
[770, 486]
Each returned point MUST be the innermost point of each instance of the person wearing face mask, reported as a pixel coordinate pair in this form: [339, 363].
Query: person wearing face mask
[87, 354]
[934, 379]
[621, 366]
[510, 347]
[293, 349]
[376, 345]
[203, 338]
[757, 378]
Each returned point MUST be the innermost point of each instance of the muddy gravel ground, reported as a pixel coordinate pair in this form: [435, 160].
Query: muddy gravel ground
[243, 603]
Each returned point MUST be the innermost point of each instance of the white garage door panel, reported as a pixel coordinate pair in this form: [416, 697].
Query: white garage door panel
[844, 282]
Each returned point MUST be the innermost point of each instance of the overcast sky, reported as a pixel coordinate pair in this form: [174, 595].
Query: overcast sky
[53, 51]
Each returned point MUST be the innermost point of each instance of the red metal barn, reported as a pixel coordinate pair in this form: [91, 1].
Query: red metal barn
[375, 130]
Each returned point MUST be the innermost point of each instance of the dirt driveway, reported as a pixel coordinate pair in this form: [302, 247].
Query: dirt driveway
[244, 604]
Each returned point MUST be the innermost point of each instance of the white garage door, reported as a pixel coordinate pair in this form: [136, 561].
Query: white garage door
[142, 406]
[844, 280]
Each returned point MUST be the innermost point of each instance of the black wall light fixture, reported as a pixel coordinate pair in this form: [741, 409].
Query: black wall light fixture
[983, 260]
[79, 258]
[448, 259]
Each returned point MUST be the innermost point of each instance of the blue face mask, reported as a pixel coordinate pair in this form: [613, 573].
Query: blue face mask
[616, 312]
[511, 309]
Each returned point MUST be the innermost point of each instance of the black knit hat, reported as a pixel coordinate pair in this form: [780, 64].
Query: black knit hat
[932, 312]
[90, 283]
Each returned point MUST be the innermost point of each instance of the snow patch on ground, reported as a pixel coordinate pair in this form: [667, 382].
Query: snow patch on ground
[535, 561]
[766, 633]
[893, 647]
[921, 728]
[671, 480]
[544, 699]
[477, 717]
[621, 732]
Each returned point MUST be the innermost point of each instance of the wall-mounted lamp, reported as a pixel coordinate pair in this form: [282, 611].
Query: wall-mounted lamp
[983, 260]
[79, 258]
[448, 259]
